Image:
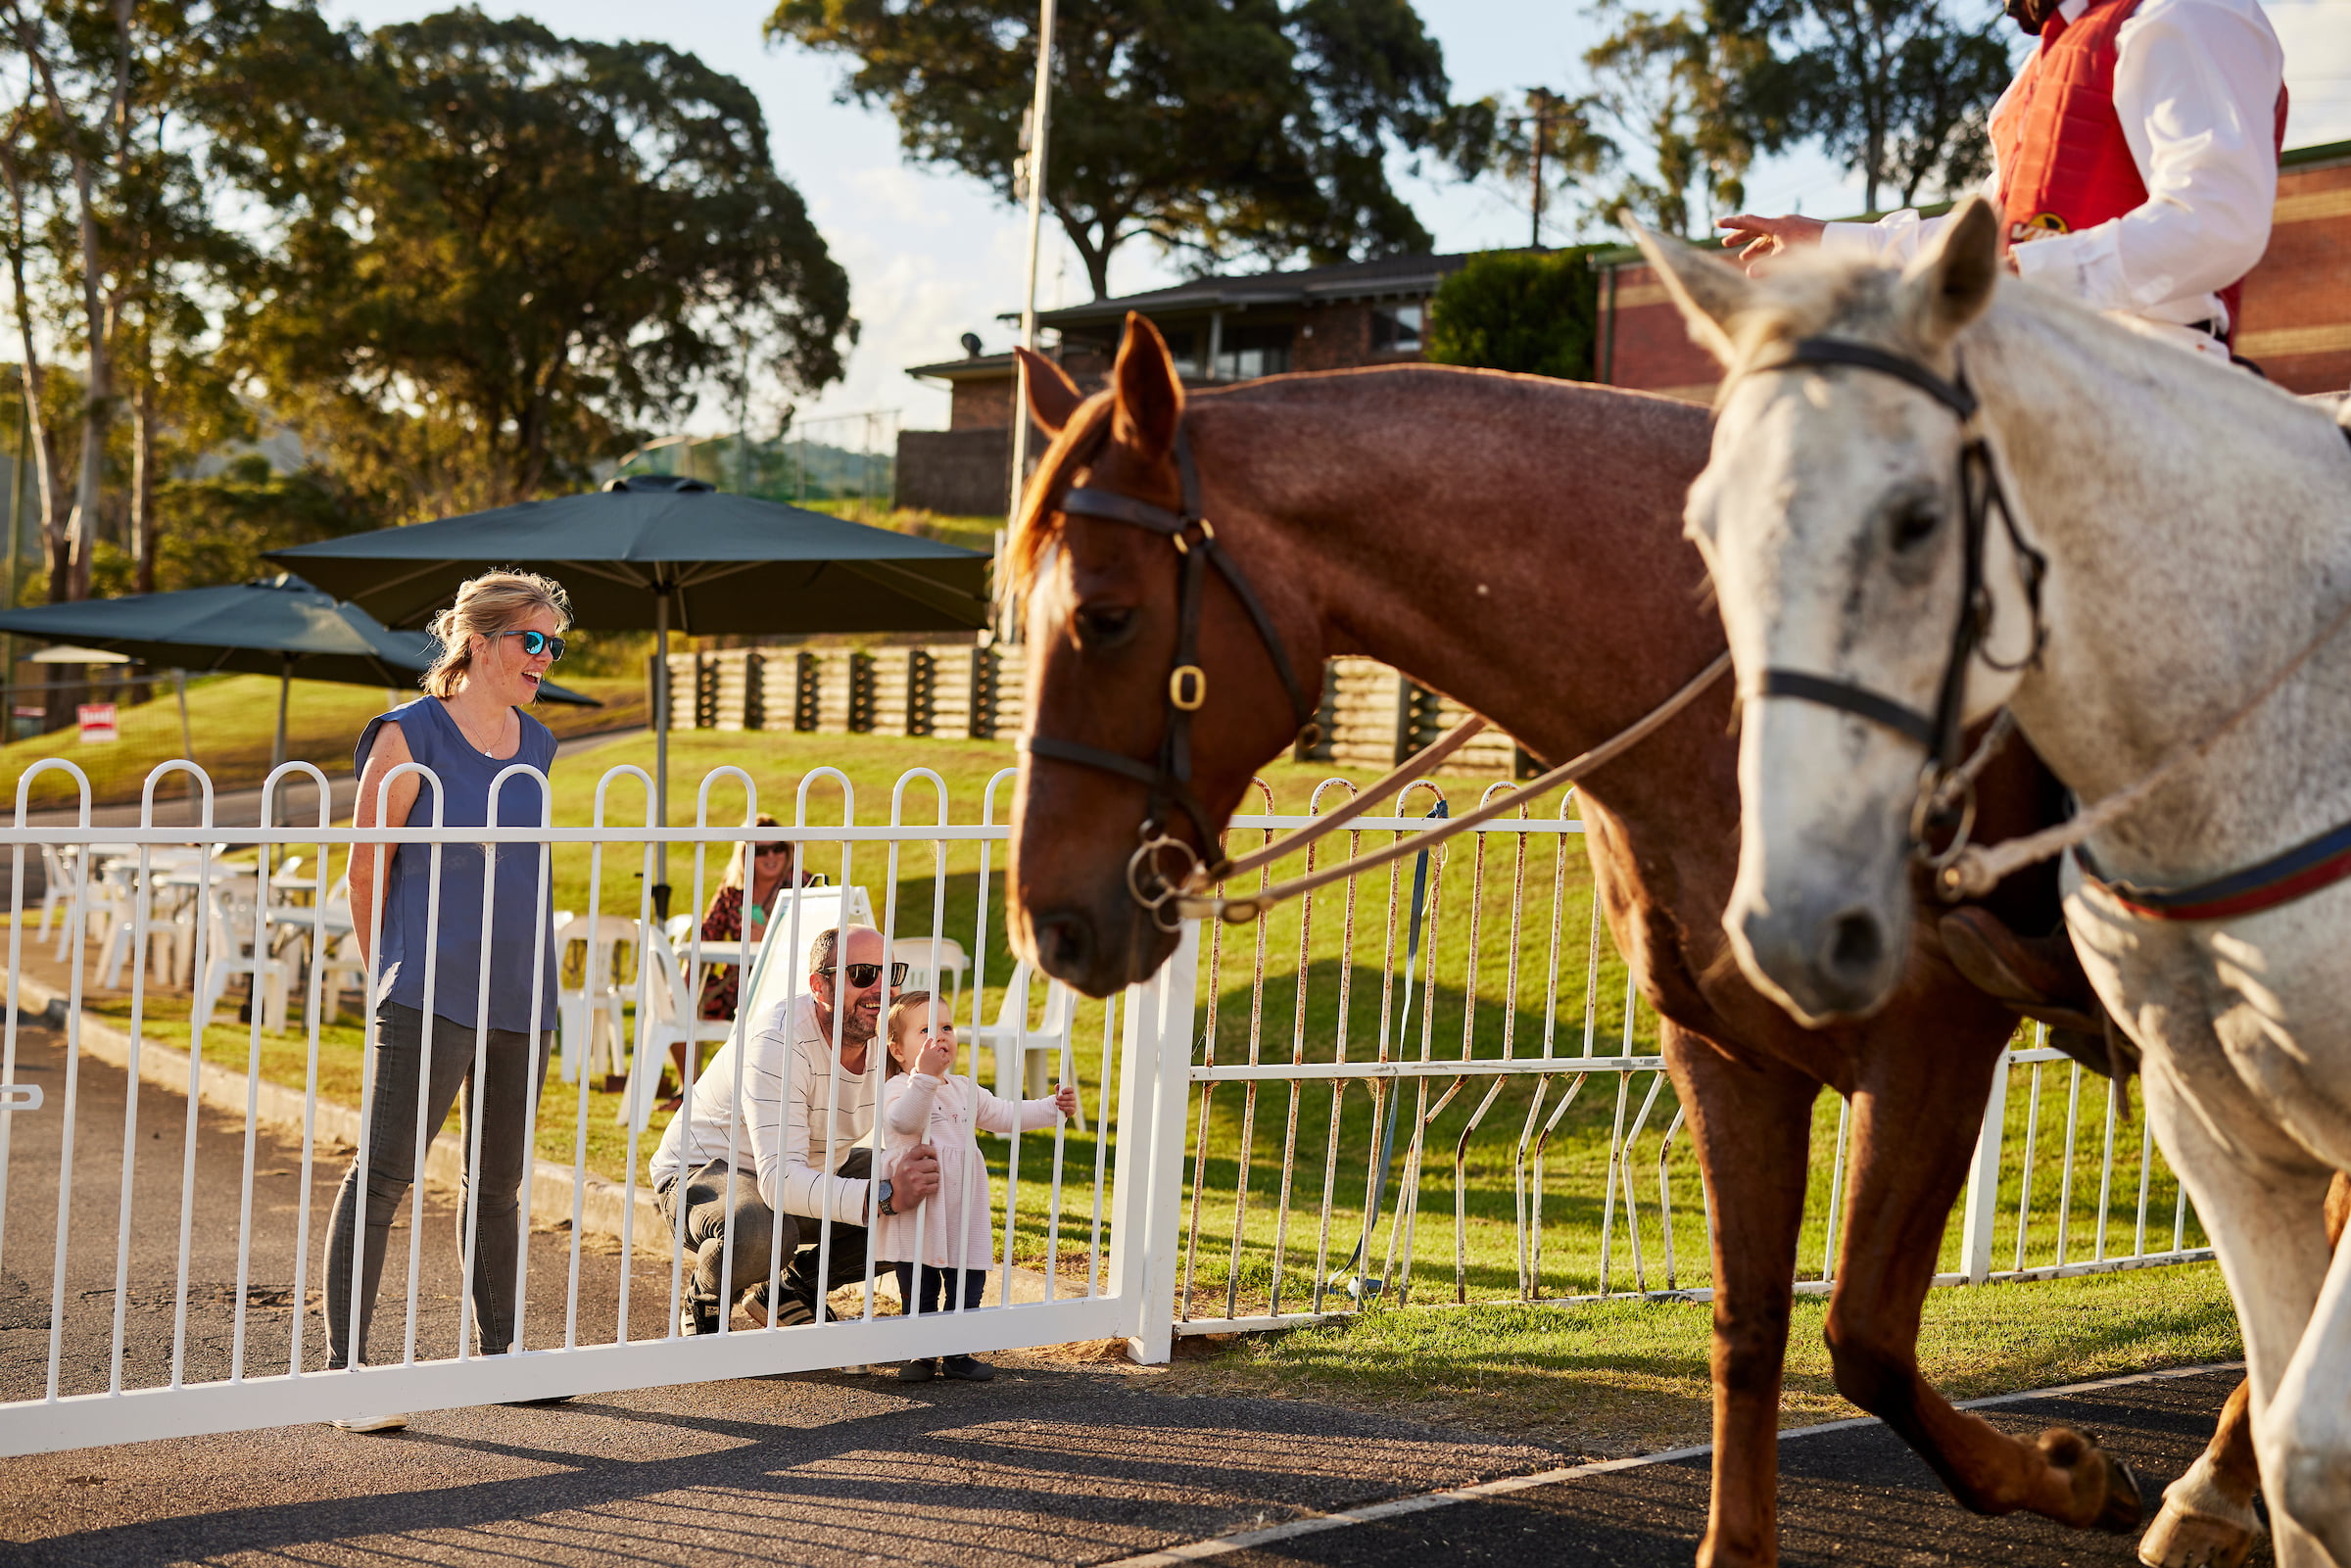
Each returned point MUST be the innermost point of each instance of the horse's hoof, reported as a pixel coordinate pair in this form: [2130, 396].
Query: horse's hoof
[2189, 1531]
[2124, 1508]
[2117, 1507]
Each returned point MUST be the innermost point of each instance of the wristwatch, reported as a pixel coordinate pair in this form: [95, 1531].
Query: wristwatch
[881, 1197]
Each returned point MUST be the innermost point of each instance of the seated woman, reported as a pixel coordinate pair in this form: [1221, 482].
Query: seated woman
[757, 873]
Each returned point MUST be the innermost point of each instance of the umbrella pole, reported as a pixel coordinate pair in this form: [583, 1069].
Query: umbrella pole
[285, 687]
[661, 751]
[187, 741]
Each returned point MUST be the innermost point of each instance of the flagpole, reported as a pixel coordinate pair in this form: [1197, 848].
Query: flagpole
[1039, 121]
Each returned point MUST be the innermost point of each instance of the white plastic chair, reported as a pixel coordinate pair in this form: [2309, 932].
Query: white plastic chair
[671, 1015]
[57, 885]
[589, 1016]
[230, 950]
[1018, 1048]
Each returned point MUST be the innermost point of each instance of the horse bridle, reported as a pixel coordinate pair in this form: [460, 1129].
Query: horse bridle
[1946, 775]
[1168, 776]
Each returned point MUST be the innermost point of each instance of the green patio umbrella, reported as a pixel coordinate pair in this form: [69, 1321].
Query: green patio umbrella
[277, 625]
[657, 552]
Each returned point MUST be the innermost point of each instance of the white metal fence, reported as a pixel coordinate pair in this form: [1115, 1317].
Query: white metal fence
[1263, 1122]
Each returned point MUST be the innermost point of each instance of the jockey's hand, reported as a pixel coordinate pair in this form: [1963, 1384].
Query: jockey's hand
[1756, 238]
[915, 1177]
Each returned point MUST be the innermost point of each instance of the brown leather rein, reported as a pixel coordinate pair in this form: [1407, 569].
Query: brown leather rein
[1167, 777]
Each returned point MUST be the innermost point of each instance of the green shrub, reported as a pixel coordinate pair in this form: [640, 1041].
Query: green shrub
[1536, 311]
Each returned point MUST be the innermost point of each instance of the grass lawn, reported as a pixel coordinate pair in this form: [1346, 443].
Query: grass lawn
[1617, 1378]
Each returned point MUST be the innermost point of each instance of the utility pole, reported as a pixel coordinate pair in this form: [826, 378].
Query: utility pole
[1040, 116]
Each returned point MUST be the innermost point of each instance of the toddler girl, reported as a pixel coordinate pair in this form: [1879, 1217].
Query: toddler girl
[922, 1103]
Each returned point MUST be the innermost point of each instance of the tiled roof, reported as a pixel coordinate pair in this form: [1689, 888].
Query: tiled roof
[1387, 277]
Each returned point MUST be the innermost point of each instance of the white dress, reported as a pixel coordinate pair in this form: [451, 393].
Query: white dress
[957, 1222]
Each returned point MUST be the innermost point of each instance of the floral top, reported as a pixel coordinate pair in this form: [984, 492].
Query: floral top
[724, 924]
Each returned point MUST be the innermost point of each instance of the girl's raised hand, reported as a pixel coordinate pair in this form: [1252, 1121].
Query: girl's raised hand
[938, 1054]
[1066, 1102]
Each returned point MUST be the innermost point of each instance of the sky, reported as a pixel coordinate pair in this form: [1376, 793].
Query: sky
[932, 254]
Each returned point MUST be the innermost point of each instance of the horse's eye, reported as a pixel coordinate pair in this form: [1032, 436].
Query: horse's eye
[1915, 521]
[1104, 624]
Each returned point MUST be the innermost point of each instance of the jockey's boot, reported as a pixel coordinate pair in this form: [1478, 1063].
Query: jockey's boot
[2038, 976]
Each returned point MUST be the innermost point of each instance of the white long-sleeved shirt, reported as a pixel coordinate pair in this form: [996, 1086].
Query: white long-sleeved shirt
[780, 1130]
[2195, 85]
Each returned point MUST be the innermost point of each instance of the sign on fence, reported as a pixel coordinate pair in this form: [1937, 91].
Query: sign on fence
[97, 722]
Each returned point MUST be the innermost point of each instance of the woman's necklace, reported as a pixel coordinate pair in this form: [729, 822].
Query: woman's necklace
[489, 750]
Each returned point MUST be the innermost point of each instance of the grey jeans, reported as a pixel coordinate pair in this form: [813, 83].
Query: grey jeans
[714, 1190]
[513, 1070]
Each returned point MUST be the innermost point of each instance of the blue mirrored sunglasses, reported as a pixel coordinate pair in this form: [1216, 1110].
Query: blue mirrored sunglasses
[535, 644]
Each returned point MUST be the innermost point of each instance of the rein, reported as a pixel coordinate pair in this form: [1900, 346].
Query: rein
[1949, 779]
[1168, 776]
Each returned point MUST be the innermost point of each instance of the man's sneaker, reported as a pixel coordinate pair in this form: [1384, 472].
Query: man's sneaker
[792, 1312]
[697, 1316]
[967, 1368]
[917, 1372]
[370, 1423]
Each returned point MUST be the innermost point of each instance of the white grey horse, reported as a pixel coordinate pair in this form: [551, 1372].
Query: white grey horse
[2187, 530]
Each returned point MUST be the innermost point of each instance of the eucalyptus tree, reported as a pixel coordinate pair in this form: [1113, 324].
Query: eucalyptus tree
[495, 251]
[1215, 127]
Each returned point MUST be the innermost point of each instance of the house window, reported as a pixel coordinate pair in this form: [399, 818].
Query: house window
[1396, 329]
[1248, 351]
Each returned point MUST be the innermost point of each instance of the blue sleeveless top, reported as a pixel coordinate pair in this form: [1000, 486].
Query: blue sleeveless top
[520, 894]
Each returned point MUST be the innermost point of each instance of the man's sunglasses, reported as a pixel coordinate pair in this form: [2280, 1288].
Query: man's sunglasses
[863, 975]
[535, 644]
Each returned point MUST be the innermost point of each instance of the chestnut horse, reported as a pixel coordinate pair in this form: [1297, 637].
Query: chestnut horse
[1516, 543]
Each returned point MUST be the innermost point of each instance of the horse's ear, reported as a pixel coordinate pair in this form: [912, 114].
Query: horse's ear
[1952, 282]
[1709, 292]
[1053, 395]
[1149, 393]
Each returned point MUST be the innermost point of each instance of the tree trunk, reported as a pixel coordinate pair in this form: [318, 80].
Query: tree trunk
[35, 385]
[97, 403]
[143, 521]
[1096, 257]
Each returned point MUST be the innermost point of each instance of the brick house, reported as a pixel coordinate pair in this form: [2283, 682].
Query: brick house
[1224, 328]
[2297, 302]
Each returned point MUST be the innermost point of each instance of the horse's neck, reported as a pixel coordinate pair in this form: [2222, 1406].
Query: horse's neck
[2198, 530]
[1514, 545]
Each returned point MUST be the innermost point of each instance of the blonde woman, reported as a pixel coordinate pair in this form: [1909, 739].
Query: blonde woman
[741, 906]
[497, 642]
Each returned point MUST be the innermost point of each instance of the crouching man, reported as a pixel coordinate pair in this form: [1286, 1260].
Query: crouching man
[785, 1155]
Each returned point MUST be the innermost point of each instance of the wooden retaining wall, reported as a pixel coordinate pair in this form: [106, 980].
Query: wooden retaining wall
[1372, 717]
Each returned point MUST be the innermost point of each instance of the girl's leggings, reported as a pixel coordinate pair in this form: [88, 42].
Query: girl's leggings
[938, 1283]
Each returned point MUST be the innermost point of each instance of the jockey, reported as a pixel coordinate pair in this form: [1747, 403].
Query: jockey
[2134, 158]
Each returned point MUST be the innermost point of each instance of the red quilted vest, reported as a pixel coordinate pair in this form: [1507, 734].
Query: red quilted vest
[2064, 163]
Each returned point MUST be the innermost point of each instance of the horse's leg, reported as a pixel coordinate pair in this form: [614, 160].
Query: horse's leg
[2266, 1222]
[1914, 1122]
[2207, 1519]
[1750, 1124]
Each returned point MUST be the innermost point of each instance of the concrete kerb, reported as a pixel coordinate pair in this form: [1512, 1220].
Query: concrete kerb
[604, 1205]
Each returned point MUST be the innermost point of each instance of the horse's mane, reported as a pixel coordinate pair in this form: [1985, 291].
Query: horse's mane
[1034, 530]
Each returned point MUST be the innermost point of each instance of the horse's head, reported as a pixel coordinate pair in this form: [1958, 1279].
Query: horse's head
[1155, 688]
[1831, 518]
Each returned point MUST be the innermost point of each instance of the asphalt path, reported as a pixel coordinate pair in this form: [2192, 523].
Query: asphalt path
[1060, 1461]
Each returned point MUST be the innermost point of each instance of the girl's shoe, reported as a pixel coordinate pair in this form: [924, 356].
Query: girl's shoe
[919, 1371]
[370, 1423]
[967, 1368]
